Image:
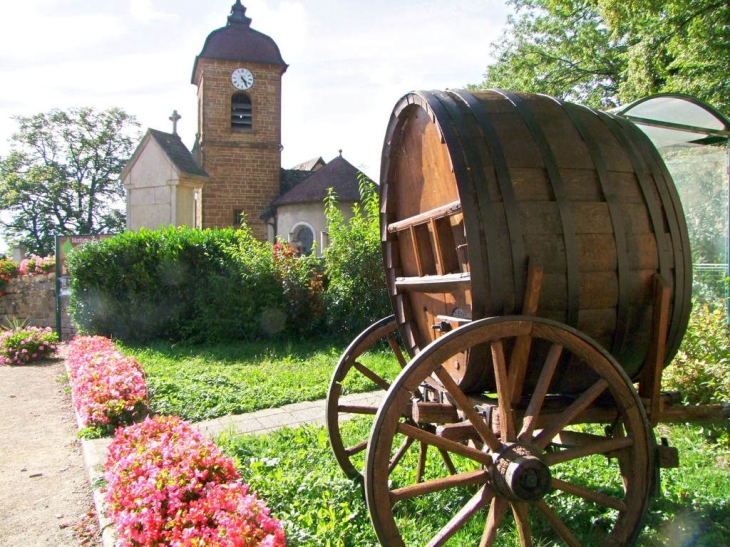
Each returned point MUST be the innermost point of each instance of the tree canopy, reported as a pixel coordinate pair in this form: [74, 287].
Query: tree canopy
[61, 176]
[609, 52]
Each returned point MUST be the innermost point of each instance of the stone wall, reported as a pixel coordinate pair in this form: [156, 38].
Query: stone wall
[32, 298]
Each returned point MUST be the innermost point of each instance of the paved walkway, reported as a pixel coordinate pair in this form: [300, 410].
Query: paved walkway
[263, 421]
[45, 494]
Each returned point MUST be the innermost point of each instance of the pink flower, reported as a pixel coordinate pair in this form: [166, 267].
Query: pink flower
[108, 388]
[167, 485]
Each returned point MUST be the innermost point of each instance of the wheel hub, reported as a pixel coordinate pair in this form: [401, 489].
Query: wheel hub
[520, 475]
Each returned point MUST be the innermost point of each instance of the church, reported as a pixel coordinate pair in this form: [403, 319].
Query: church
[234, 173]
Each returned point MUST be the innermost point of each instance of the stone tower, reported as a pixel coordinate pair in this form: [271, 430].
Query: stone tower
[238, 74]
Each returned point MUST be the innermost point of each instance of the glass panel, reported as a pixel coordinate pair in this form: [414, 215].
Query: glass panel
[700, 174]
[674, 110]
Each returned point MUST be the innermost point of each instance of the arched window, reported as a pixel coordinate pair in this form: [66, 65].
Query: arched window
[241, 111]
[303, 238]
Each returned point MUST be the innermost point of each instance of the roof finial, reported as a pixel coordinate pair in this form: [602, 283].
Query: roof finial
[174, 118]
[238, 15]
[340, 152]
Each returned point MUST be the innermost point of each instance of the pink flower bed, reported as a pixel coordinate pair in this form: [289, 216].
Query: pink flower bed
[109, 388]
[167, 485]
[37, 265]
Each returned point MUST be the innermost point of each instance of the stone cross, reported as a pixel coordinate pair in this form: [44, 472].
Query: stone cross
[174, 118]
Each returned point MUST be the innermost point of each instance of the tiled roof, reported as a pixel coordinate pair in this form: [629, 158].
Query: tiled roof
[178, 153]
[290, 178]
[338, 174]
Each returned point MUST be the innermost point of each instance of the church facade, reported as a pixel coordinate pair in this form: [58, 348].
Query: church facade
[234, 171]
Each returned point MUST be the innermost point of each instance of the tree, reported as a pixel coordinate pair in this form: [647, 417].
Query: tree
[608, 52]
[61, 176]
[356, 294]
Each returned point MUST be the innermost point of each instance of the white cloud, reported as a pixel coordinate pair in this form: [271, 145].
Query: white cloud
[144, 10]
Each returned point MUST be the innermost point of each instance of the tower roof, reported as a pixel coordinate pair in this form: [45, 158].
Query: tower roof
[237, 41]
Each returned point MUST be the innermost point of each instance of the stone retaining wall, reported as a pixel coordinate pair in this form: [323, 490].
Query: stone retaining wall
[32, 298]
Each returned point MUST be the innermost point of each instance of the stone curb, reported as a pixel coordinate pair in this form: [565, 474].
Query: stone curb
[260, 422]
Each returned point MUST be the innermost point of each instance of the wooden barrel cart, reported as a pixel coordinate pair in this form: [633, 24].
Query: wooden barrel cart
[539, 268]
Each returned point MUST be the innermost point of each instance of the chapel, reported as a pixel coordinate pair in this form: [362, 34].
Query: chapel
[234, 171]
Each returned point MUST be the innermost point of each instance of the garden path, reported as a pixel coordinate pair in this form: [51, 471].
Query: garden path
[45, 495]
[46, 471]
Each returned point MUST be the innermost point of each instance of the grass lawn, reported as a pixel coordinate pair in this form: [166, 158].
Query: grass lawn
[295, 471]
[200, 383]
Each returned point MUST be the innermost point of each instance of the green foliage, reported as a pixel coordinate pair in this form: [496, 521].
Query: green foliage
[302, 284]
[8, 270]
[294, 470]
[20, 346]
[606, 52]
[62, 175]
[701, 369]
[693, 507]
[180, 283]
[204, 382]
[356, 294]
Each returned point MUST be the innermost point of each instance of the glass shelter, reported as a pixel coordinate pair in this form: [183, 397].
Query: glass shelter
[692, 138]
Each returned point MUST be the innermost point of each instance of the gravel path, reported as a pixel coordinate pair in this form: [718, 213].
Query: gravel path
[45, 496]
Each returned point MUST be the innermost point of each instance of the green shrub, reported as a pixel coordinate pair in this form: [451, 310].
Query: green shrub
[8, 270]
[181, 283]
[701, 369]
[356, 294]
[24, 345]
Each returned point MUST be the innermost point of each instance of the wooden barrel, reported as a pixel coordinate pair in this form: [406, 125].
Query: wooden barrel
[476, 184]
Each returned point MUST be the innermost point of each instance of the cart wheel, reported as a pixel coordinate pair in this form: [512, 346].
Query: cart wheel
[536, 470]
[350, 452]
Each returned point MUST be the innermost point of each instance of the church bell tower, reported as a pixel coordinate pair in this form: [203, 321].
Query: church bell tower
[238, 74]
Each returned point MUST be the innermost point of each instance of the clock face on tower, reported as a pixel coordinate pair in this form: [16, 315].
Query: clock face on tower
[242, 78]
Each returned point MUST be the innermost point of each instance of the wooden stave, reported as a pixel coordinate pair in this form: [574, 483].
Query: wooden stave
[463, 118]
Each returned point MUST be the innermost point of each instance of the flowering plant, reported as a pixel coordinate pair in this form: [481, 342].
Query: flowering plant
[167, 485]
[37, 265]
[8, 270]
[22, 345]
[109, 388]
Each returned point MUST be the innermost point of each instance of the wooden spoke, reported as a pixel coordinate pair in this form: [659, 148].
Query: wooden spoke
[422, 454]
[457, 448]
[538, 397]
[395, 348]
[462, 401]
[521, 351]
[356, 449]
[437, 485]
[479, 500]
[358, 409]
[400, 453]
[597, 447]
[370, 375]
[504, 392]
[590, 495]
[522, 521]
[565, 417]
[557, 524]
[499, 488]
[447, 461]
[349, 451]
[497, 509]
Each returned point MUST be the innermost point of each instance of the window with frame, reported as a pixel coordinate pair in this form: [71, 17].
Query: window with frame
[304, 239]
[241, 112]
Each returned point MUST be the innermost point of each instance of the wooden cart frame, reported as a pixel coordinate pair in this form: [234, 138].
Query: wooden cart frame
[495, 407]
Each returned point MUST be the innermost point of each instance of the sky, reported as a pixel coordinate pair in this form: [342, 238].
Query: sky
[349, 62]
